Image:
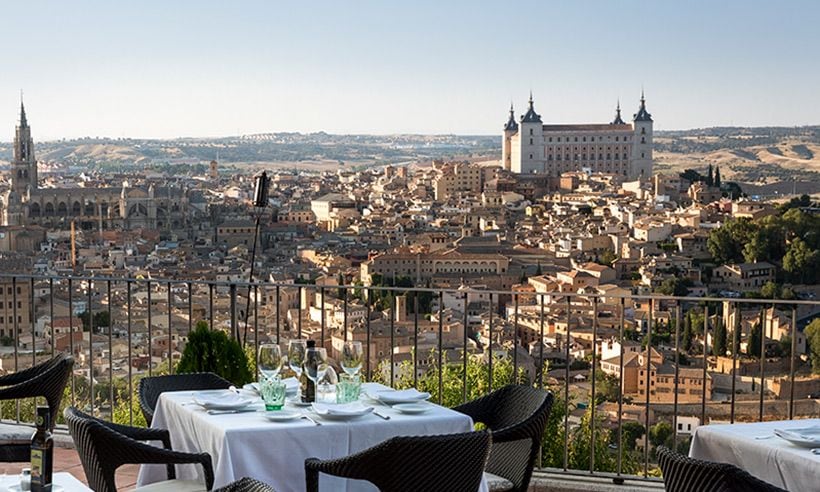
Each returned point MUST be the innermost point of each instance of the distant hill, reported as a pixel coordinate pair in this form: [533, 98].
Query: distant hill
[759, 156]
[752, 155]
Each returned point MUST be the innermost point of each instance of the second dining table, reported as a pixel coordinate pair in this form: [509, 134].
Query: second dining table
[247, 444]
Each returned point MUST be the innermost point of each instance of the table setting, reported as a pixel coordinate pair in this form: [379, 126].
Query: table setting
[785, 453]
[267, 429]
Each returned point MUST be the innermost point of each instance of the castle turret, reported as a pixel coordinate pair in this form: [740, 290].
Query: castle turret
[618, 120]
[510, 129]
[530, 142]
[641, 165]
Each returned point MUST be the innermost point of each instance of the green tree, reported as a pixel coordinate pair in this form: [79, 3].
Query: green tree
[608, 257]
[717, 177]
[755, 338]
[801, 261]
[631, 431]
[770, 290]
[710, 178]
[812, 333]
[673, 286]
[719, 340]
[213, 351]
[659, 433]
[726, 243]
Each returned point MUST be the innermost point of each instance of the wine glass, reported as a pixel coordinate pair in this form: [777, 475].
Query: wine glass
[352, 357]
[270, 360]
[296, 356]
[316, 363]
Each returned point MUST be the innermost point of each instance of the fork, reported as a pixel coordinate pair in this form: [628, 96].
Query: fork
[306, 416]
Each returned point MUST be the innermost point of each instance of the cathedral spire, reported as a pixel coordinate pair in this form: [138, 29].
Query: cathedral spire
[23, 122]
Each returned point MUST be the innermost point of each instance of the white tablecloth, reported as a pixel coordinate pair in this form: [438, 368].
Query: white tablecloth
[246, 444]
[750, 447]
[67, 481]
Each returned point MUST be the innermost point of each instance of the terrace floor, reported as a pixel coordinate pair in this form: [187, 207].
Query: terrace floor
[66, 459]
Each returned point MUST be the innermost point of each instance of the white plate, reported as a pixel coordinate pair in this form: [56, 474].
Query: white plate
[412, 408]
[226, 400]
[297, 402]
[54, 488]
[806, 437]
[347, 411]
[282, 415]
[392, 397]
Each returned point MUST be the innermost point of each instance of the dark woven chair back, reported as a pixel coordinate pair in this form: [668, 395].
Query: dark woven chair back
[246, 484]
[152, 387]
[684, 474]
[517, 415]
[453, 462]
[93, 441]
[47, 380]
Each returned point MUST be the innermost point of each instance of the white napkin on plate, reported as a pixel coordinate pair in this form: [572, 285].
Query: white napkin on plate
[407, 395]
[346, 409]
[222, 400]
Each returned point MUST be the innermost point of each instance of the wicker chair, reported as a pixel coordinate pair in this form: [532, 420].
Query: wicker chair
[103, 447]
[517, 416]
[246, 484]
[152, 387]
[683, 474]
[46, 380]
[451, 462]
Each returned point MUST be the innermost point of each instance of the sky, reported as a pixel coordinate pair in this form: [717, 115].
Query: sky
[164, 69]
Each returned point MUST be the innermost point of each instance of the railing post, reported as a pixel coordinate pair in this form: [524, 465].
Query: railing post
[234, 326]
[150, 334]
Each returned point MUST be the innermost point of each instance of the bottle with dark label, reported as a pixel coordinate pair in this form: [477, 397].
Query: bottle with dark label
[308, 386]
[42, 452]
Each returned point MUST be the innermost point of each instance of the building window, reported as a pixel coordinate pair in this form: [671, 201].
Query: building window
[530, 156]
[576, 139]
[550, 139]
[643, 140]
[642, 155]
[600, 156]
[584, 139]
[616, 139]
[643, 131]
[530, 131]
[530, 141]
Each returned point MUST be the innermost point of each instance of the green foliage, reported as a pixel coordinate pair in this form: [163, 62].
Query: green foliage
[812, 333]
[674, 286]
[755, 338]
[607, 258]
[101, 320]
[212, 351]
[802, 262]
[660, 433]
[631, 431]
[719, 340]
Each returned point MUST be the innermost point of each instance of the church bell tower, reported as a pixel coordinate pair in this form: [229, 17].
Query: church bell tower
[24, 164]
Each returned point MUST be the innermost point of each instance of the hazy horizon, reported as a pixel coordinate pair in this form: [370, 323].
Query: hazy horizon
[212, 69]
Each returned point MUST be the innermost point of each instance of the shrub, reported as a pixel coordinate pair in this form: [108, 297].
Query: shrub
[212, 351]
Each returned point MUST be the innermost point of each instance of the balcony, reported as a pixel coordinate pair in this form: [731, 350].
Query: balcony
[618, 363]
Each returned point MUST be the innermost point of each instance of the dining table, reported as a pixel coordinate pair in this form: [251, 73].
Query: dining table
[247, 444]
[756, 448]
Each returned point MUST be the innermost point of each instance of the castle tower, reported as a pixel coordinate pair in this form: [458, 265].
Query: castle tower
[641, 162]
[213, 170]
[530, 142]
[23, 165]
[510, 129]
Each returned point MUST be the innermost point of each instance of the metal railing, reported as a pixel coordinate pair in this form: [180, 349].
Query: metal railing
[135, 326]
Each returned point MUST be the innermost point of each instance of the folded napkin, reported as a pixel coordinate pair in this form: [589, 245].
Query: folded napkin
[221, 400]
[346, 409]
[804, 433]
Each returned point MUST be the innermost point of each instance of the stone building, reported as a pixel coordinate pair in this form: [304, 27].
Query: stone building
[625, 149]
[126, 207]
